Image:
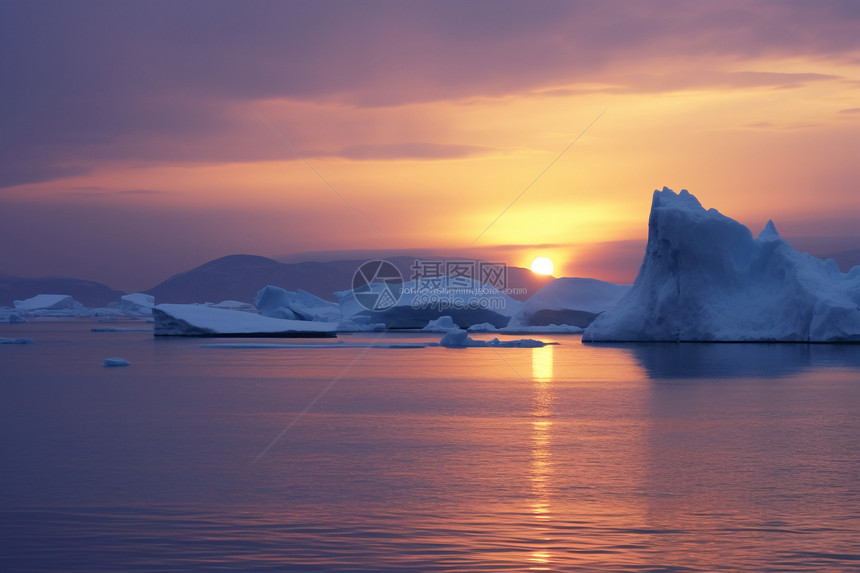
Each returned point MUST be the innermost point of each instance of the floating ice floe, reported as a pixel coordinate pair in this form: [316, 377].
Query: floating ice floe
[568, 301]
[115, 362]
[461, 339]
[276, 302]
[16, 341]
[136, 304]
[197, 320]
[705, 278]
[337, 345]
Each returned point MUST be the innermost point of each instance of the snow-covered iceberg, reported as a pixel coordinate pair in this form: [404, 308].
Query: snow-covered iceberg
[276, 302]
[443, 324]
[417, 304]
[48, 302]
[705, 278]
[136, 304]
[572, 301]
[197, 320]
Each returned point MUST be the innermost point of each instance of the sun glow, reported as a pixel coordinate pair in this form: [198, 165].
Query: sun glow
[542, 266]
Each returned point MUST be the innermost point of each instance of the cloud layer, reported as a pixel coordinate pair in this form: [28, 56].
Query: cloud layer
[429, 117]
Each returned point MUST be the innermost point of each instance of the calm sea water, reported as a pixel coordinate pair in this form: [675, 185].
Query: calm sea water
[607, 458]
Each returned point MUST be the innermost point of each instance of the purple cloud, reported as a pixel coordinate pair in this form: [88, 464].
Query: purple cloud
[92, 79]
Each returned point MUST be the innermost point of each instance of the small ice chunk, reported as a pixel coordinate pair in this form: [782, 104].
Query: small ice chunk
[16, 341]
[115, 362]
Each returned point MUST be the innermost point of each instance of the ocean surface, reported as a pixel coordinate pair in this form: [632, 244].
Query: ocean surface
[647, 457]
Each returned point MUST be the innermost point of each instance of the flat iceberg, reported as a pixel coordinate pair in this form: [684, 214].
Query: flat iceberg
[705, 278]
[514, 329]
[569, 301]
[115, 362]
[461, 339]
[341, 344]
[197, 320]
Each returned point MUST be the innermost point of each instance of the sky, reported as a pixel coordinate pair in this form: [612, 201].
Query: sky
[140, 139]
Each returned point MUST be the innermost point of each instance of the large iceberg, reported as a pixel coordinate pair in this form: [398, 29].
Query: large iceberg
[705, 278]
[198, 320]
[571, 301]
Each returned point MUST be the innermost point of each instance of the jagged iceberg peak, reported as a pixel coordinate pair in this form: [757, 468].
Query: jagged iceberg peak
[704, 278]
[684, 199]
[769, 232]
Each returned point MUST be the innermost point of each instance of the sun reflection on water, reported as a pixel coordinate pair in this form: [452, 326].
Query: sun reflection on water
[541, 463]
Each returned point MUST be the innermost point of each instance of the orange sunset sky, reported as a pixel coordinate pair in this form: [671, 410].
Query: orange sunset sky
[140, 139]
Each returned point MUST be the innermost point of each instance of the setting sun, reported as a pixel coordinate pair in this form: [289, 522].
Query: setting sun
[542, 266]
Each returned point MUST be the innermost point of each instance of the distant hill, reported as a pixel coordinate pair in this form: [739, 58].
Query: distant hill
[239, 277]
[88, 293]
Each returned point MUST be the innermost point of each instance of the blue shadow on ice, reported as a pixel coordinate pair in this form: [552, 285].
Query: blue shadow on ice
[736, 360]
